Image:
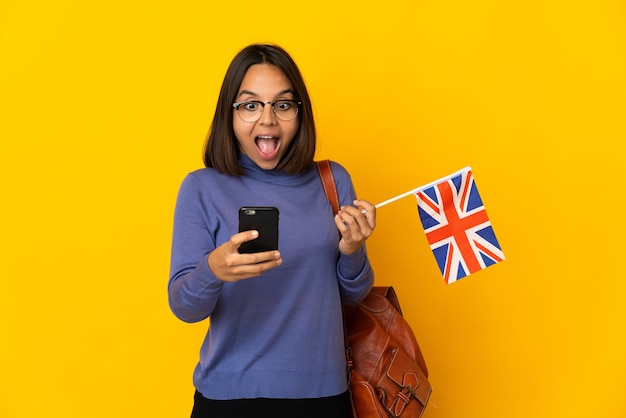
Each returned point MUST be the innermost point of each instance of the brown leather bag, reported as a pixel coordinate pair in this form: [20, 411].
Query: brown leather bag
[389, 377]
[387, 373]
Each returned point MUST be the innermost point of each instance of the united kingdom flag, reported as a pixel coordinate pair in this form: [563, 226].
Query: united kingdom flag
[457, 227]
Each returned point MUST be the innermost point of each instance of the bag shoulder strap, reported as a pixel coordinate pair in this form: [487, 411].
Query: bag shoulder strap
[328, 183]
[330, 190]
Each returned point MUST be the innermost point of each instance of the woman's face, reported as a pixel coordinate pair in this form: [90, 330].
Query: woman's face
[266, 140]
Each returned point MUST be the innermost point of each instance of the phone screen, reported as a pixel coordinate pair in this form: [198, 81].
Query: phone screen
[263, 219]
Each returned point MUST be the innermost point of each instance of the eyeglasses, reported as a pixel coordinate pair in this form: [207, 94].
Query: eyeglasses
[251, 110]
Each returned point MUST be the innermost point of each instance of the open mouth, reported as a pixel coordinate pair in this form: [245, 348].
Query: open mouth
[267, 145]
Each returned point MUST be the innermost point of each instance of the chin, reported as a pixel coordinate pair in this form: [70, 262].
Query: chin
[267, 165]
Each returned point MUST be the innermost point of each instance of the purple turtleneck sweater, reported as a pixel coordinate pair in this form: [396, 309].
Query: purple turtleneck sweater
[279, 335]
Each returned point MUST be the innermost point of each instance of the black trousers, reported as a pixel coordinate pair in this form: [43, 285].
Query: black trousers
[328, 407]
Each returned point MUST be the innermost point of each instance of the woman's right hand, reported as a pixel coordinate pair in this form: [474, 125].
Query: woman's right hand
[230, 266]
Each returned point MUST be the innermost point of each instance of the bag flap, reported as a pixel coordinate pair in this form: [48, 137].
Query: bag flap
[405, 373]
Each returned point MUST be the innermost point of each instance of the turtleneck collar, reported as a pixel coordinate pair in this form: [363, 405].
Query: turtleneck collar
[251, 169]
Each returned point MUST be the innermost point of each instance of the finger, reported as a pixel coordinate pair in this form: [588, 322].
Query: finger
[351, 228]
[348, 217]
[260, 257]
[355, 218]
[237, 266]
[241, 237]
[257, 263]
[367, 209]
[341, 221]
[260, 263]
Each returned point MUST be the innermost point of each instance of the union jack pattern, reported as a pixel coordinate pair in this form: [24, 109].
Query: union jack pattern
[457, 227]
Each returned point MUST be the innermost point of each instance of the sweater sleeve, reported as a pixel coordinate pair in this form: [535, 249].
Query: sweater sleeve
[354, 271]
[193, 289]
[356, 276]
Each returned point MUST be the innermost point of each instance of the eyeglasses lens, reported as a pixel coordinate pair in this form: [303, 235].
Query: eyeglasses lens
[251, 111]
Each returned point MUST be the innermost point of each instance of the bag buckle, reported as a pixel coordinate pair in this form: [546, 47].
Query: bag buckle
[400, 401]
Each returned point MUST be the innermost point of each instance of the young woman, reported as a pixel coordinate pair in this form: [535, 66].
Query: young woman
[275, 345]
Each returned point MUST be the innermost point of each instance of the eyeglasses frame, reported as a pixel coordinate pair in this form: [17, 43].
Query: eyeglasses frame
[236, 106]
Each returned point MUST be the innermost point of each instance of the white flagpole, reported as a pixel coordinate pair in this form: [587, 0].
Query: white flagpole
[424, 187]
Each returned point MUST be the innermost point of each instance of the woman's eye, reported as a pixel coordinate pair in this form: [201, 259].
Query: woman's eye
[251, 106]
[283, 105]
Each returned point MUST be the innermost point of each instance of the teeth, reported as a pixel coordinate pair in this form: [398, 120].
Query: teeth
[265, 137]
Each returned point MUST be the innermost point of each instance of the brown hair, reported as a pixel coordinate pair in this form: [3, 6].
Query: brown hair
[221, 148]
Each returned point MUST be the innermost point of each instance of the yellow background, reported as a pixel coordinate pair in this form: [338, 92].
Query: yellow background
[104, 107]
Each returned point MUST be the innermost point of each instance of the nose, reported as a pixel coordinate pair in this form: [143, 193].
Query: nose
[268, 117]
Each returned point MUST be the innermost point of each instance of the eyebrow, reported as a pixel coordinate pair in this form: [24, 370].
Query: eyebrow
[251, 93]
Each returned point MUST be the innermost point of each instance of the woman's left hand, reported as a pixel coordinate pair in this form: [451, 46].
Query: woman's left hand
[355, 223]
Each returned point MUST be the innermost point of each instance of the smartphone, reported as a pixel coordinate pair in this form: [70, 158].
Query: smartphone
[263, 219]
